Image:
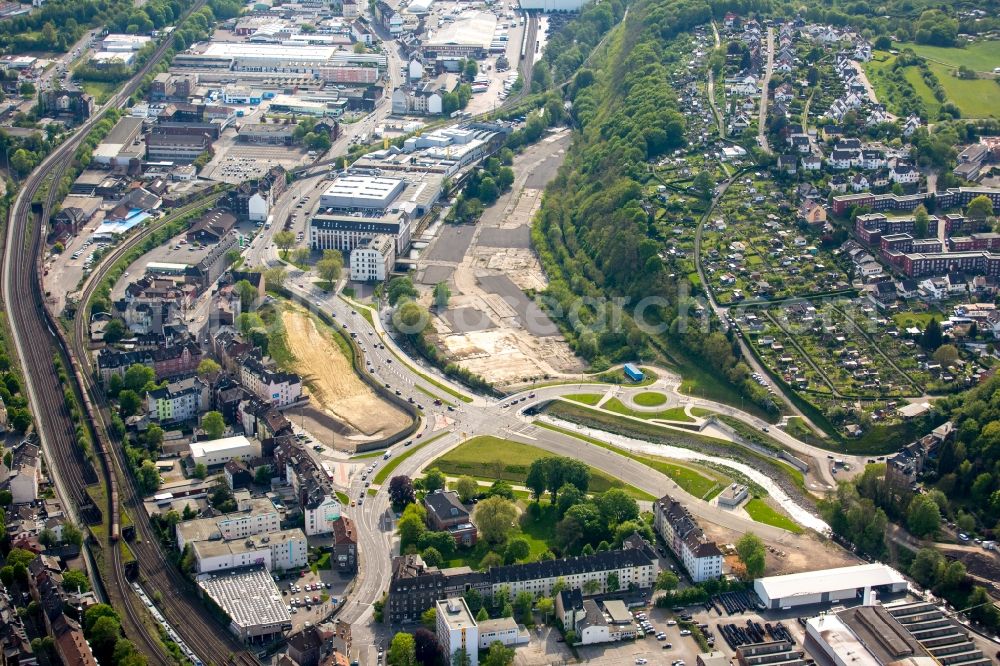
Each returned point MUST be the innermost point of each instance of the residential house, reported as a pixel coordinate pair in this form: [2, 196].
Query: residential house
[445, 513]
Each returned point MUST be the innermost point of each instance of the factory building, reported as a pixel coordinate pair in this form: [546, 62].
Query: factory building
[828, 586]
[251, 601]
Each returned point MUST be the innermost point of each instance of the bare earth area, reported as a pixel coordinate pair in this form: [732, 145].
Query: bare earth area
[335, 389]
[490, 326]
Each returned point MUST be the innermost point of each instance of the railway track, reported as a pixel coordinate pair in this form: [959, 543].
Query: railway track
[38, 340]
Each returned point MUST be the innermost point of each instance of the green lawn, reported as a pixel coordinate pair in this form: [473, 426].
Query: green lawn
[705, 486]
[394, 462]
[650, 399]
[918, 319]
[586, 398]
[673, 414]
[618, 377]
[99, 90]
[981, 56]
[701, 412]
[977, 98]
[762, 512]
[344, 499]
[489, 457]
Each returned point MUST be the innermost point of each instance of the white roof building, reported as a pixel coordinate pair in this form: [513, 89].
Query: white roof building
[827, 585]
[221, 451]
[358, 191]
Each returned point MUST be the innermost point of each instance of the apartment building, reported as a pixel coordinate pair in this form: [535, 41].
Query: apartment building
[178, 401]
[281, 389]
[700, 557]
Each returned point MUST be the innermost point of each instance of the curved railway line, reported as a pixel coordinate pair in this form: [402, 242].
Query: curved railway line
[38, 339]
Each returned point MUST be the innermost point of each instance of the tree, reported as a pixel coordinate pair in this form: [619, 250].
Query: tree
[103, 636]
[330, 266]
[505, 178]
[498, 655]
[148, 476]
[138, 377]
[247, 322]
[920, 222]
[979, 209]
[411, 524]
[429, 618]
[274, 277]
[923, 517]
[76, 581]
[537, 479]
[752, 553]
[931, 338]
[200, 471]
[401, 491]
[431, 556]
[926, 566]
[517, 549]
[441, 295]
[284, 240]
[467, 488]
[114, 331]
[546, 605]
[592, 586]
[704, 185]
[27, 89]
[461, 658]
[129, 402]
[433, 480]
[617, 507]
[569, 496]
[208, 368]
[428, 650]
[262, 477]
[490, 560]
[667, 580]
[613, 582]
[213, 424]
[300, 256]
[946, 355]
[495, 518]
[402, 650]
[22, 161]
[470, 69]
[489, 191]
[247, 293]
[71, 534]
[482, 615]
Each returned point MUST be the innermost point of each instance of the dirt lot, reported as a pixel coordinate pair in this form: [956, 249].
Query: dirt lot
[334, 387]
[492, 328]
[795, 553]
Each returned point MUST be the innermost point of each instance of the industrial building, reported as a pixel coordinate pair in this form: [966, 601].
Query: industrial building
[251, 601]
[904, 634]
[828, 585]
[469, 36]
[361, 192]
[221, 451]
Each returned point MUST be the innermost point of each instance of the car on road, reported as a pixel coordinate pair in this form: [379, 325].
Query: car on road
[685, 632]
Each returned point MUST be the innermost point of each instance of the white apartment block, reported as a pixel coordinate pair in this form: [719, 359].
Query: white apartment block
[321, 515]
[255, 517]
[457, 630]
[277, 551]
[281, 389]
[700, 557]
[373, 262]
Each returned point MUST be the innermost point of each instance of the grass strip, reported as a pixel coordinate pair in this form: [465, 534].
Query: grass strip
[762, 512]
[395, 461]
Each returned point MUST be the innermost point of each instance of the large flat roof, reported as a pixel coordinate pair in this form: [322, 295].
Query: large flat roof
[829, 580]
[471, 29]
[455, 613]
[363, 191]
[249, 597]
[201, 448]
[276, 51]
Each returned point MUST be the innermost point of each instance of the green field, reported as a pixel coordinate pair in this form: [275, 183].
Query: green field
[99, 90]
[762, 512]
[912, 74]
[918, 319]
[977, 98]
[650, 399]
[489, 457]
[980, 56]
[706, 486]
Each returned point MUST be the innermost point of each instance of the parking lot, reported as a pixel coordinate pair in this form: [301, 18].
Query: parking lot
[312, 597]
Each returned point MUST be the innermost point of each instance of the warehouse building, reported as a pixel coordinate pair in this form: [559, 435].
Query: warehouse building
[828, 586]
[361, 192]
[251, 601]
[221, 451]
